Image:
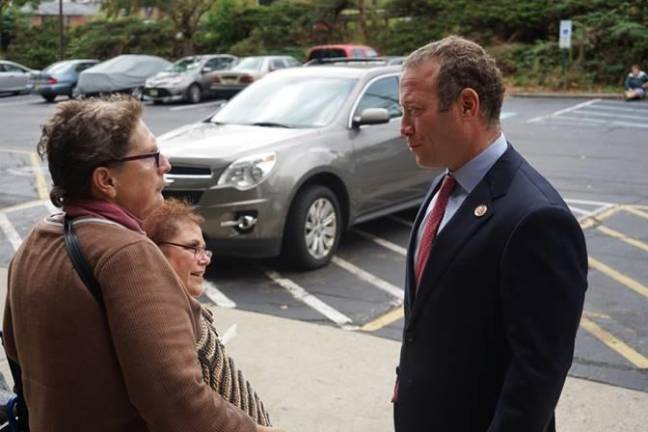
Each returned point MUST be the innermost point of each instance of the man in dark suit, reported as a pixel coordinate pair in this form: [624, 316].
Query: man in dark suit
[496, 265]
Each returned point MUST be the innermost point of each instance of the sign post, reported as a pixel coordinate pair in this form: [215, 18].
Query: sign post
[564, 42]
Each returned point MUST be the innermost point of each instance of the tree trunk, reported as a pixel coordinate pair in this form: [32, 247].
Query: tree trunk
[362, 20]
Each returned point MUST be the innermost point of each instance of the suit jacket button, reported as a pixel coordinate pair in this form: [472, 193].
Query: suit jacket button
[410, 338]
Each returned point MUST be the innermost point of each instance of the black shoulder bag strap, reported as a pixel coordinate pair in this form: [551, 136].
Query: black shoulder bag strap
[79, 262]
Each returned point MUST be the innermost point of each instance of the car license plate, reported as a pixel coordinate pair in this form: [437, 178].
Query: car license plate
[153, 92]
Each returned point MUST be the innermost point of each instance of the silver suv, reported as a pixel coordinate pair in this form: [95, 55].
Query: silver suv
[294, 159]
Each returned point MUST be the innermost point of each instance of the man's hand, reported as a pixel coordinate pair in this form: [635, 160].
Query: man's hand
[268, 429]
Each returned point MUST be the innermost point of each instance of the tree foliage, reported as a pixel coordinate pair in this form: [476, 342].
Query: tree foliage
[108, 38]
[608, 35]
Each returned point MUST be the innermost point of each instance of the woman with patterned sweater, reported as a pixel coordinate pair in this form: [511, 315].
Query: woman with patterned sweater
[175, 228]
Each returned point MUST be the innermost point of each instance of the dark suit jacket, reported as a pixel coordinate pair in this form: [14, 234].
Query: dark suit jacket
[489, 337]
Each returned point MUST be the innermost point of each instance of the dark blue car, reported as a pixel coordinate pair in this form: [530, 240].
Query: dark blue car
[60, 78]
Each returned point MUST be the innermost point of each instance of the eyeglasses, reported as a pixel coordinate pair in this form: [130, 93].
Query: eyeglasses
[198, 251]
[155, 155]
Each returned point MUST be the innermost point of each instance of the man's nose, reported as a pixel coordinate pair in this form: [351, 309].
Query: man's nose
[406, 129]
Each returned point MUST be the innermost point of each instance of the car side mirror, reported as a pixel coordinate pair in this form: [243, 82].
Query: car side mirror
[371, 116]
[206, 69]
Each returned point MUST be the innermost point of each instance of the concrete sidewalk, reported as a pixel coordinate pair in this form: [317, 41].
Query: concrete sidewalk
[316, 378]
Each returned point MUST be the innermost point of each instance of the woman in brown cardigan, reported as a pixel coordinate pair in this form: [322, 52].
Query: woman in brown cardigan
[129, 364]
[175, 228]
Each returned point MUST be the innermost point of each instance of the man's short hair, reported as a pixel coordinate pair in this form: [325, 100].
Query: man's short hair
[463, 64]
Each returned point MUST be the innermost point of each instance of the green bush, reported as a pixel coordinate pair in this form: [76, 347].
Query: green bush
[36, 47]
[402, 36]
[608, 35]
[106, 39]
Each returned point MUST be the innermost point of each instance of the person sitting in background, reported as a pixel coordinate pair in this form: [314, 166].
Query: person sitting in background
[635, 84]
[175, 228]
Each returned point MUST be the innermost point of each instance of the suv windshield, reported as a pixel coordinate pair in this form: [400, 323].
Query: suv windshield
[184, 64]
[249, 63]
[298, 102]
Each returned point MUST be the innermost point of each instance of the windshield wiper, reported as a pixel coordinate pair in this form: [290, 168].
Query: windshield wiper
[271, 124]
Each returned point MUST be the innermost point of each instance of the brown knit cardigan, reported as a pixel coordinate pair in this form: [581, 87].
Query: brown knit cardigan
[222, 375]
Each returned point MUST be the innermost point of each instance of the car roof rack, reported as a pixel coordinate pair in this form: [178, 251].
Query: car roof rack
[356, 61]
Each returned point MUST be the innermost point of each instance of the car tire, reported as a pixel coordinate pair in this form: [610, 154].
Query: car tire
[49, 97]
[194, 94]
[313, 229]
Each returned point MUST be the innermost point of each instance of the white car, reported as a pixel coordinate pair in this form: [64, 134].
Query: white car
[248, 70]
[16, 78]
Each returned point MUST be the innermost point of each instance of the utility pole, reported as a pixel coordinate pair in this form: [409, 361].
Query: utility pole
[60, 29]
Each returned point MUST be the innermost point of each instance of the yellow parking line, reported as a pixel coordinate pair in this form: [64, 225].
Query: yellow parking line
[6, 150]
[618, 276]
[595, 315]
[592, 220]
[636, 211]
[383, 321]
[624, 238]
[41, 185]
[615, 344]
[23, 206]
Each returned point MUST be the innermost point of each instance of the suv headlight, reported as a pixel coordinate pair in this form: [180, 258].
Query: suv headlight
[248, 172]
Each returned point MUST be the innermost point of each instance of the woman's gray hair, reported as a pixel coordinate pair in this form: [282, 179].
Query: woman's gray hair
[81, 135]
[462, 64]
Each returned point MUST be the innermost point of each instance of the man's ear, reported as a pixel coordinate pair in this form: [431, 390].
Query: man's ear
[469, 103]
[103, 183]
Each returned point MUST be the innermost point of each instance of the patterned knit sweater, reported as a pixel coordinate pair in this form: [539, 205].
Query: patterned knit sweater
[222, 375]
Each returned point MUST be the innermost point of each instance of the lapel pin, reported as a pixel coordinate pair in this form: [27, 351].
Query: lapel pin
[481, 210]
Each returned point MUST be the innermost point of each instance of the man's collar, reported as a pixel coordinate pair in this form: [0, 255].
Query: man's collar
[471, 173]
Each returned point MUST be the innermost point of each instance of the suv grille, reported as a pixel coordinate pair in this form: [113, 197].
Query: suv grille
[186, 170]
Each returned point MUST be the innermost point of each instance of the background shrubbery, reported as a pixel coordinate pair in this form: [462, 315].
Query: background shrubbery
[608, 35]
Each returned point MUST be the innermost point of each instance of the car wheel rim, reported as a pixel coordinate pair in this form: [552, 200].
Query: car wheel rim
[321, 228]
[195, 94]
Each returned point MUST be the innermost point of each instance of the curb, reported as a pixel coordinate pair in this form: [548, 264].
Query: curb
[583, 95]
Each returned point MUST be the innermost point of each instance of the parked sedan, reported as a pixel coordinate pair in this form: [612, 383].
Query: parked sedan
[248, 70]
[60, 78]
[123, 74]
[16, 78]
[187, 79]
[294, 159]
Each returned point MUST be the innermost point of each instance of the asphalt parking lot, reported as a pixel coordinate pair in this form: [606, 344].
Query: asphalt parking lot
[594, 151]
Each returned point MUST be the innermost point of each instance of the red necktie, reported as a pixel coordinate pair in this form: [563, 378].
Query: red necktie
[429, 233]
[432, 226]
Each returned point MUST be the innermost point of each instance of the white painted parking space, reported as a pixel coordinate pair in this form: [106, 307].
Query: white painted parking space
[196, 106]
[374, 280]
[216, 296]
[10, 232]
[598, 113]
[305, 297]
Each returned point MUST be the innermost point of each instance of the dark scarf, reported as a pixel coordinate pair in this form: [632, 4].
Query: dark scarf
[104, 210]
